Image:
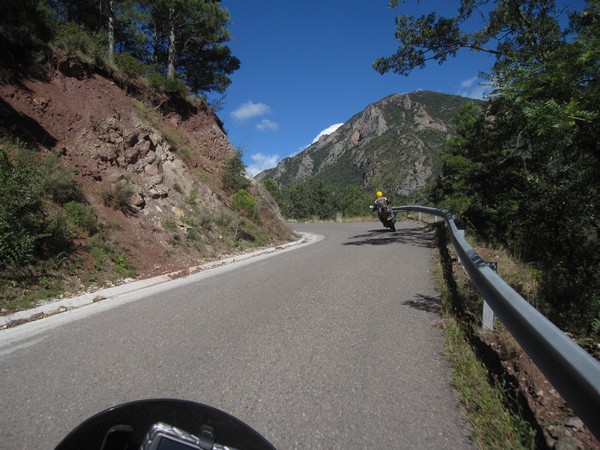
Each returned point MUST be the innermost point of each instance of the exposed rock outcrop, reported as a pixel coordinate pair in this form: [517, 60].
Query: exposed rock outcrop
[168, 163]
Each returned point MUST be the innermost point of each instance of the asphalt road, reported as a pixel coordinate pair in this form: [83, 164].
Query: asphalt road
[331, 345]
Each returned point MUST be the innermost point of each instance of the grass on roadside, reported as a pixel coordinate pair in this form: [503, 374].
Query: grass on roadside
[494, 424]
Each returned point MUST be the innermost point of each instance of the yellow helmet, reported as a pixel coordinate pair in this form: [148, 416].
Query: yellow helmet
[379, 194]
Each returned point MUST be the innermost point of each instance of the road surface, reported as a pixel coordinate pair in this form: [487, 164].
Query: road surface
[331, 345]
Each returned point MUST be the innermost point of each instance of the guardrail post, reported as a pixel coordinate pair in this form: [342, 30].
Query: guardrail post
[488, 317]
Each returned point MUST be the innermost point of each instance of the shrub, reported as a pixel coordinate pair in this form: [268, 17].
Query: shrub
[130, 66]
[105, 256]
[244, 202]
[233, 178]
[273, 188]
[76, 41]
[169, 225]
[58, 183]
[175, 88]
[186, 153]
[192, 197]
[118, 195]
[82, 216]
[22, 221]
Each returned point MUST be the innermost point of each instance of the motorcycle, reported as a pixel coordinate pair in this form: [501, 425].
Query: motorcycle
[163, 424]
[387, 217]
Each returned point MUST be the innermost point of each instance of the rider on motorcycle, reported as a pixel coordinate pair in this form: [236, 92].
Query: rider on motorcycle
[381, 204]
[387, 217]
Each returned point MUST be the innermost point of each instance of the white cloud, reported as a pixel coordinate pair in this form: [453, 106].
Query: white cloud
[267, 125]
[468, 83]
[261, 162]
[472, 89]
[330, 129]
[249, 110]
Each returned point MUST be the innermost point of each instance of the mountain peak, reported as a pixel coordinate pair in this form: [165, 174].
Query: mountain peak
[394, 144]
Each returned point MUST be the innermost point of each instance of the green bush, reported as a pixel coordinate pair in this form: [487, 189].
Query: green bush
[186, 153]
[29, 229]
[118, 195]
[273, 188]
[58, 183]
[106, 256]
[244, 202]
[22, 221]
[192, 197]
[83, 217]
[130, 66]
[171, 87]
[169, 225]
[232, 177]
[76, 41]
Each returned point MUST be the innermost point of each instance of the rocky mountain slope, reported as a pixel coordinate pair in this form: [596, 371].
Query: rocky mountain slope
[167, 162]
[394, 144]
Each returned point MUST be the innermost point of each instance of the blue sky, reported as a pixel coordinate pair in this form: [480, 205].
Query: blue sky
[307, 65]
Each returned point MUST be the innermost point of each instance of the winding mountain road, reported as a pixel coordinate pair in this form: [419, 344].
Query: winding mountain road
[330, 345]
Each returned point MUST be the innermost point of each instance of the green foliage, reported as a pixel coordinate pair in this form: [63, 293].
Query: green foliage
[232, 176]
[22, 221]
[355, 201]
[106, 256]
[494, 425]
[523, 172]
[32, 231]
[38, 224]
[170, 87]
[244, 202]
[141, 33]
[57, 183]
[273, 188]
[118, 195]
[186, 153]
[83, 217]
[313, 197]
[192, 197]
[318, 198]
[75, 40]
[199, 29]
[130, 66]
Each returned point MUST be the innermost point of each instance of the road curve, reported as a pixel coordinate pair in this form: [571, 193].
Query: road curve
[331, 345]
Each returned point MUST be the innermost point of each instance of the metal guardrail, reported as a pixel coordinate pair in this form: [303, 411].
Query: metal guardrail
[571, 370]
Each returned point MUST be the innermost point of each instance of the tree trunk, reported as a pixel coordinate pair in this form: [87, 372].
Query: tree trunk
[172, 52]
[111, 31]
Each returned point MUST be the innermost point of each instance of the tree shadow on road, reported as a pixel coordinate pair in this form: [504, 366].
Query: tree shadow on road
[418, 236]
[425, 303]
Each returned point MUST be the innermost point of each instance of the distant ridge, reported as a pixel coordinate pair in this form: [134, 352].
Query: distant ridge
[393, 144]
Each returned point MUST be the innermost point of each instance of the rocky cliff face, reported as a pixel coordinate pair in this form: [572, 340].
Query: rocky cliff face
[394, 144]
[168, 162]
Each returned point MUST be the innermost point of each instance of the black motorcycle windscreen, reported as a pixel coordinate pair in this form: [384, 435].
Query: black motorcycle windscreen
[141, 415]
